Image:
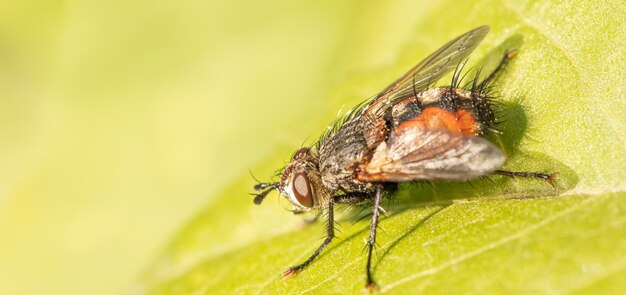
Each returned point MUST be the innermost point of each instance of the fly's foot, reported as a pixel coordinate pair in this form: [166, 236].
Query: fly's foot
[290, 272]
[371, 287]
[552, 177]
[511, 53]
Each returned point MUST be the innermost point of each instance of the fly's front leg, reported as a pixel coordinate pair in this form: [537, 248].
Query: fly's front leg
[548, 177]
[292, 271]
[369, 284]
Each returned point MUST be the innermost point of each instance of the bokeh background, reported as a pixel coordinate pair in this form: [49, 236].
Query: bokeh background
[120, 119]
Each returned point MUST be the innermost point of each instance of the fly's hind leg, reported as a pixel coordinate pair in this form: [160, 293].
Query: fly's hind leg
[330, 234]
[508, 55]
[548, 177]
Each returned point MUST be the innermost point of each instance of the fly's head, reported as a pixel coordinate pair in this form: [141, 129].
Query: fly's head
[300, 182]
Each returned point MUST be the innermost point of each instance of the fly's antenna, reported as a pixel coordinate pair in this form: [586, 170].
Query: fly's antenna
[258, 198]
[264, 188]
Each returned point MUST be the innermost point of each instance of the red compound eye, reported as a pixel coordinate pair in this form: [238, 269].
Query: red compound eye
[302, 190]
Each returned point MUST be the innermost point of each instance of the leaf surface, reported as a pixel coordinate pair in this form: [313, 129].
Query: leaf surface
[564, 97]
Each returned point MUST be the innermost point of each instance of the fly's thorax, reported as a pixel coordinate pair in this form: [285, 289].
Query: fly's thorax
[301, 183]
[343, 152]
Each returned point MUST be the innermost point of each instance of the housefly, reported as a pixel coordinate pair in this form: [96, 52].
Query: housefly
[409, 132]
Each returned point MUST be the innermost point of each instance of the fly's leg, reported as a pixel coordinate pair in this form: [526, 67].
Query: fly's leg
[292, 271]
[548, 177]
[508, 55]
[369, 284]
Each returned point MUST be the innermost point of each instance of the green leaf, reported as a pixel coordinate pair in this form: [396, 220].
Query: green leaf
[564, 96]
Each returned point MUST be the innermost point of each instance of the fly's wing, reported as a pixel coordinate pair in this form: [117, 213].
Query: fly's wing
[417, 153]
[430, 70]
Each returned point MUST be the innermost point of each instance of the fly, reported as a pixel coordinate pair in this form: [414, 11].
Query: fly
[409, 132]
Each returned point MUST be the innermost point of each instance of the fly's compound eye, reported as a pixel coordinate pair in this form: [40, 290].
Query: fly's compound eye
[302, 190]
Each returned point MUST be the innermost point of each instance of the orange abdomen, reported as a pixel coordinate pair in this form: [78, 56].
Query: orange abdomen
[459, 122]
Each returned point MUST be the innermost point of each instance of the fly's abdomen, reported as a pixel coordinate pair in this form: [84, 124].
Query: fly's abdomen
[457, 110]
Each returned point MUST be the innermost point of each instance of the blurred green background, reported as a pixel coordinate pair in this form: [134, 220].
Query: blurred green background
[122, 120]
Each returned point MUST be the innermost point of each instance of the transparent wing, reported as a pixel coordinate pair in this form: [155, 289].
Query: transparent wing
[431, 69]
[418, 153]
